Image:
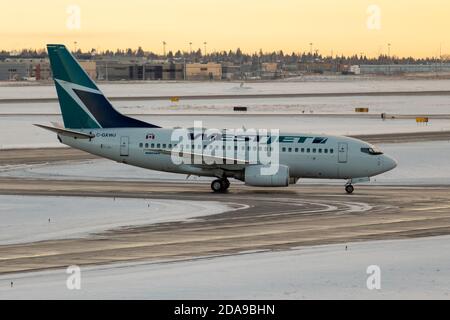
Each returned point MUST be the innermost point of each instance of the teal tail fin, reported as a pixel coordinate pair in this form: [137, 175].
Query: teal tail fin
[83, 105]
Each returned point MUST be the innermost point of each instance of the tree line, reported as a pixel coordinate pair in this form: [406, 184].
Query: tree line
[233, 56]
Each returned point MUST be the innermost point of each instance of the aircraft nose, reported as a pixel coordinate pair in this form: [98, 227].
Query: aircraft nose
[389, 163]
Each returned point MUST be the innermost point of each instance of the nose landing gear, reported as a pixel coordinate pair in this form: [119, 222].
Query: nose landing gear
[220, 185]
[349, 185]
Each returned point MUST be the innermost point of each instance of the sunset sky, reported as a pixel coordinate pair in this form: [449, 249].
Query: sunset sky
[413, 27]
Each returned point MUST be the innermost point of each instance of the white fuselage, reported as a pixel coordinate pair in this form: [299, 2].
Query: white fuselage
[327, 157]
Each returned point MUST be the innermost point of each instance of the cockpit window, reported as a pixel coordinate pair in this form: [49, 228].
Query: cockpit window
[372, 150]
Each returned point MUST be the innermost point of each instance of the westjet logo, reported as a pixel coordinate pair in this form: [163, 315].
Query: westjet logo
[227, 136]
[230, 146]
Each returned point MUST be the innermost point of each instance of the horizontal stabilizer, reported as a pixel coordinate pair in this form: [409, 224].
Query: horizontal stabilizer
[67, 132]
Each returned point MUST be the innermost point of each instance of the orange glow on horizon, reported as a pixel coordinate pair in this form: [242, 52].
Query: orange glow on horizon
[415, 28]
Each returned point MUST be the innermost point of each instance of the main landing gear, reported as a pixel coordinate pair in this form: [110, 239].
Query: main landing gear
[349, 188]
[220, 185]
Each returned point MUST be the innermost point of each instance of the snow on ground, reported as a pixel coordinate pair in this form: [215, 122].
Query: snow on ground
[25, 218]
[19, 132]
[160, 88]
[430, 105]
[16, 129]
[101, 169]
[418, 163]
[410, 269]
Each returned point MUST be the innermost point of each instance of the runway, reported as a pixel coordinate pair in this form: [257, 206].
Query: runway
[265, 219]
[246, 96]
[275, 219]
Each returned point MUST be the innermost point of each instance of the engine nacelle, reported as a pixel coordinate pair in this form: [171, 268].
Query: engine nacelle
[254, 178]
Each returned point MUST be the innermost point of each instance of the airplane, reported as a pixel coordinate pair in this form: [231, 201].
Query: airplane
[93, 125]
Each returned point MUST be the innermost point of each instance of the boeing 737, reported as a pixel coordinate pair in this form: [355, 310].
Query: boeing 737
[93, 125]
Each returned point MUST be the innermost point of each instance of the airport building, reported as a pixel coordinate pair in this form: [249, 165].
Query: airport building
[41, 71]
[203, 71]
[317, 67]
[404, 68]
[11, 70]
[172, 71]
[25, 69]
[112, 70]
[35, 69]
[231, 71]
[121, 70]
[90, 67]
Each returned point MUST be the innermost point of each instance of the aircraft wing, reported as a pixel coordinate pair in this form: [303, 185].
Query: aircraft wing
[67, 132]
[205, 158]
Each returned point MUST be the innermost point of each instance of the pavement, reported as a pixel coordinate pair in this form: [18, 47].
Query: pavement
[275, 219]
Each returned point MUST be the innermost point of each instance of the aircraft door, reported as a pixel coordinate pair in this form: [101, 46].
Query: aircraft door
[124, 146]
[342, 152]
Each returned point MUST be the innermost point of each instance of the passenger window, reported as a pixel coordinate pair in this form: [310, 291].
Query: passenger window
[146, 145]
[314, 150]
[308, 150]
[303, 150]
[296, 149]
[158, 145]
[284, 149]
[153, 145]
[170, 146]
[140, 145]
[164, 146]
[320, 150]
[331, 150]
[325, 150]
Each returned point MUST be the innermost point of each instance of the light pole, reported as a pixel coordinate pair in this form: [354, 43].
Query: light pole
[164, 48]
[205, 43]
[389, 58]
[190, 47]
[310, 48]
[184, 73]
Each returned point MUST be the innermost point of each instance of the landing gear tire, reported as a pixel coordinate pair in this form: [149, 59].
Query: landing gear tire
[227, 184]
[220, 185]
[349, 189]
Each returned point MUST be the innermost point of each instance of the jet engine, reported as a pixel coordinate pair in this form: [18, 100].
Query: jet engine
[254, 177]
